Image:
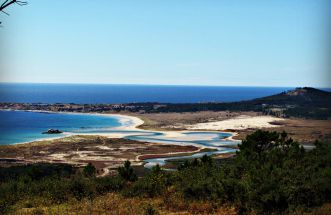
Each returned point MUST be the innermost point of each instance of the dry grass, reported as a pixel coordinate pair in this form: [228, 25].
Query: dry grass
[170, 203]
[116, 204]
[178, 121]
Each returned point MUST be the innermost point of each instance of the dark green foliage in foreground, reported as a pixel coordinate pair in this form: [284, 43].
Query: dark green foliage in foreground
[35, 172]
[151, 185]
[55, 183]
[126, 172]
[89, 170]
[270, 174]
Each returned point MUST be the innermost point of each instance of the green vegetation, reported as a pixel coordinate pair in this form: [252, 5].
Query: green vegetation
[270, 174]
[126, 172]
[89, 170]
[49, 184]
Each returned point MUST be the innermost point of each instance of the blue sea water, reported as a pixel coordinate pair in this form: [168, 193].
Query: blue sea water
[92, 93]
[22, 126]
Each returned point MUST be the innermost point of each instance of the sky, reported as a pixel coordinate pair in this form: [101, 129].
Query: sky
[172, 42]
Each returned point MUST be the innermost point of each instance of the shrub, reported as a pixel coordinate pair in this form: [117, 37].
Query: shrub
[89, 170]
[151, 185]
[127, 172]
[109, 184]
[81, 188]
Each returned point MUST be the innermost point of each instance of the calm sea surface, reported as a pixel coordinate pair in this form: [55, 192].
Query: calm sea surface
[87, 93]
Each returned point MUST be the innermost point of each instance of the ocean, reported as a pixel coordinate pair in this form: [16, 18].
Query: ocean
[102, 93]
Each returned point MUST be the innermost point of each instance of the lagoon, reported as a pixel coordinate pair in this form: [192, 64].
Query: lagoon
[26, 126]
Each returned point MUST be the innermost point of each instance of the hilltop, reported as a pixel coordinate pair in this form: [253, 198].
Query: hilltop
[305, 96]
[303, 102]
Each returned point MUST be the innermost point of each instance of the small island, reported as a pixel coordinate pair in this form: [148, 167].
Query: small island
[52, 131]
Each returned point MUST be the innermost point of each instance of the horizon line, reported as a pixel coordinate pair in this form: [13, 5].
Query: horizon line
[165, 85]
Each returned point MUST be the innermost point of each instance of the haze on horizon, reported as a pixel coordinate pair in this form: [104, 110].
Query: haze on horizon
[228, 43]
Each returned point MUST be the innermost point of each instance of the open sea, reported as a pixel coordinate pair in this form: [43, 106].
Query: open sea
[92, 93]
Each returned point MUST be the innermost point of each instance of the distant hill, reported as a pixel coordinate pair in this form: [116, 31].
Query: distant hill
[306, 96]
[303, 102]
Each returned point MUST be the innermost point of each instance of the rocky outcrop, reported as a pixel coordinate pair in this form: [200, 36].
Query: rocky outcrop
[53, 131]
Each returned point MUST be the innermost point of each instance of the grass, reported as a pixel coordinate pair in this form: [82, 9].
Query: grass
[113, 203]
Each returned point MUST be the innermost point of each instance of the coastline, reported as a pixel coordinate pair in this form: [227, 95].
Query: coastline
[231, 125]
[129, 123]
[170, 139]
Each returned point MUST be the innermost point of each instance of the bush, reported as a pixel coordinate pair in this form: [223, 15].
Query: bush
[81, 188]
[151, 185]
[89, 170]
[109, 184]
[127, 172]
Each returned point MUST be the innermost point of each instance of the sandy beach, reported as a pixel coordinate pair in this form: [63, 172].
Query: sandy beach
[238, 123]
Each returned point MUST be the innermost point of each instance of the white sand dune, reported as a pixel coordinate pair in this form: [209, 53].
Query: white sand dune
[239, 123]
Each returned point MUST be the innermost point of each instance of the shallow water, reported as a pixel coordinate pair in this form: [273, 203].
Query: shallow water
[25, 126]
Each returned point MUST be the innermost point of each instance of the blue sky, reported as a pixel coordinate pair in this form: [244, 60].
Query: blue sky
[181, 42]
